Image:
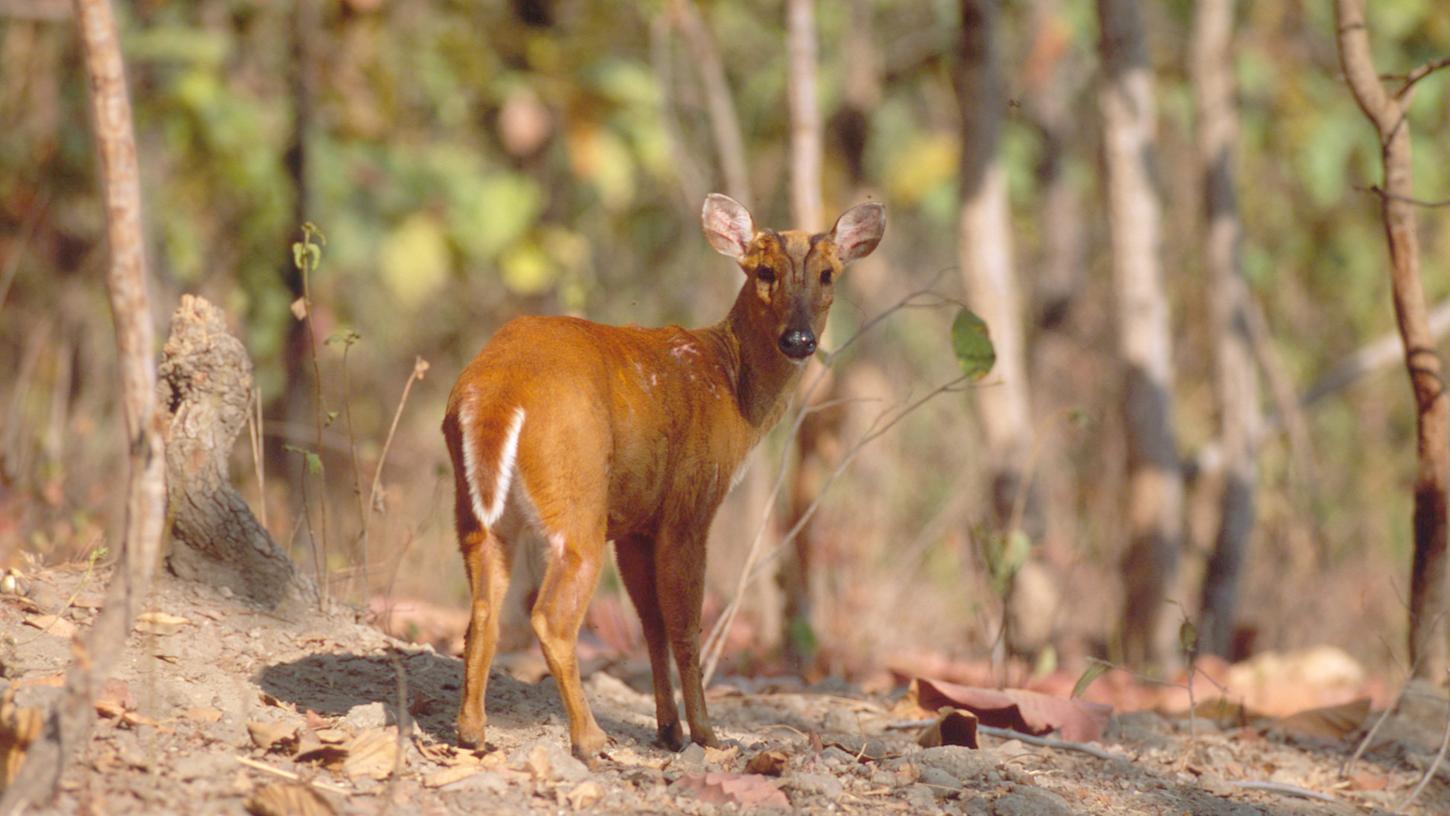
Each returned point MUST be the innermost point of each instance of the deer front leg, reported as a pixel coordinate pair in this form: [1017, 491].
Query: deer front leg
[636, 558]
[680, 576]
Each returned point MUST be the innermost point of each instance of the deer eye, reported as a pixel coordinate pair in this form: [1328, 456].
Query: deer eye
[825, 276]
[765, 275]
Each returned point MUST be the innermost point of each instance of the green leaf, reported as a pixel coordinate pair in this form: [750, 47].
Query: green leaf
[346, 337]
[972, 343]
[331, 418]
[1188, 637]
[314, 462]
[1095, 669]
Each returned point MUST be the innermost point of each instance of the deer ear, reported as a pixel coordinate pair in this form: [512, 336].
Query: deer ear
[728, 225]
[858, 231]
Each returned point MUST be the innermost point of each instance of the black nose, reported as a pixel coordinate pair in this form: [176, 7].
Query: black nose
[798, 343]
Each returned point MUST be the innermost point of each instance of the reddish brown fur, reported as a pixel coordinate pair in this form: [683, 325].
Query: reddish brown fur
[632, 435]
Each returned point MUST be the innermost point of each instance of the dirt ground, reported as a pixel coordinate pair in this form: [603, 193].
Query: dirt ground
[218, 706]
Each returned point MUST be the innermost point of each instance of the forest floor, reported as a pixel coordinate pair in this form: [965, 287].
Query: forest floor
[218, 707]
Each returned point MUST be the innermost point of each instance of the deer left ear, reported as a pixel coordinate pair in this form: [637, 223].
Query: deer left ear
[858, 231]
[727, 224]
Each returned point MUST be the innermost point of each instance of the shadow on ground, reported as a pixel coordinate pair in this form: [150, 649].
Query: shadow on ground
[333, 684]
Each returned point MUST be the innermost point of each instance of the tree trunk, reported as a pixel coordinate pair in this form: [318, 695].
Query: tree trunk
[294, 402]
[1155, 488]
[206, 389]
[1238, 387]
[724, 123]
[985, 249]
[69, 720]
[820, 429]
[1388, 114]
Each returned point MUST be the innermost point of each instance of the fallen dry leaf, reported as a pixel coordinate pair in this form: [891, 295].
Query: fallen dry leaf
[115, 699]
[1368, 781]
[18, 729]
[721, 756]
[952, 727]
[448, 776]
[584, 795]
[287, 799]
[538, 763]
[768, 763]
[746, 790]
[202, 715]
[1330, 722]
[372, 753]
[1017, 709]
[53, 625]
[330, 757]
[273, 736]
[331, 736]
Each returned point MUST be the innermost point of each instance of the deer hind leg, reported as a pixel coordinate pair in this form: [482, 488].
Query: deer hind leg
[486, 558]
[569, 581]
[681, 589]
[636, 558]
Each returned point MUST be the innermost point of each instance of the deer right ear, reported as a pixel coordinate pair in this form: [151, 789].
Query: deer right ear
[728, 225]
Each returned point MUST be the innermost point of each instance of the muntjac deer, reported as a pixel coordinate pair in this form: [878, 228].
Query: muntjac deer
[572, 434]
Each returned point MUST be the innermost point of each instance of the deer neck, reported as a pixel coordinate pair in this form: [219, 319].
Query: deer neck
[762, 377]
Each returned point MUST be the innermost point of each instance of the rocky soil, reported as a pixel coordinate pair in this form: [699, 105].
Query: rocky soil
[221, 708]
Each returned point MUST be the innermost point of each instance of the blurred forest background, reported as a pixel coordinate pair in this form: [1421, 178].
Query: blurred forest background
[471, 161]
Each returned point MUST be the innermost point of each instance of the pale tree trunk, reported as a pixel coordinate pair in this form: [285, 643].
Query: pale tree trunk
[1238, 386]
[819, 430]
[1051, 83]
[1053, 76]
[69, 720]
[1155, 488]
[984, 246]
[1389, 115]
[724, 123]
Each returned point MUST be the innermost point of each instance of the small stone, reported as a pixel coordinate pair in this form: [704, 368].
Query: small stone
[201, 766]
[816, 784]
[1029, 801]
[692, 758]
[371, 715]
[841, 721]
[939, 780]
[836, 756]
[962, 763]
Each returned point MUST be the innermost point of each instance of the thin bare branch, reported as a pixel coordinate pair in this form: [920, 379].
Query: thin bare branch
[69, 720]
[1418, 202]
[1420, 73]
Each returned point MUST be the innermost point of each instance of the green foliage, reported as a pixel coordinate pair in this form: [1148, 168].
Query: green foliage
[312, 460]
[1095, 669]
[972, 344]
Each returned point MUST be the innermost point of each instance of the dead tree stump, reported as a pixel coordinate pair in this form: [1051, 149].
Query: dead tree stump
[205, 389]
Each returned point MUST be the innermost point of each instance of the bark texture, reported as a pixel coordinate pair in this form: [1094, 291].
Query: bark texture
[205, 390]
[69, 720]
[986, 257]
[1238, 388]
[1387, 112]
[1155, 488]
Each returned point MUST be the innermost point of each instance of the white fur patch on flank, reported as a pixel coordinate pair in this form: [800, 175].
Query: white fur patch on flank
[556, 545]
[487, 516]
